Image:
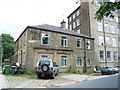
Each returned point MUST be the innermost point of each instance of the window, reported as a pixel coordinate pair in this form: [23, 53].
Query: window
[74, 16]
[78, 13]
[106, 27]
[100, 27]
[98, 2]
[79, 62]
[44, 56]
[70, 19]
[101, 41]
[112, 29]
[78, 43]
[74, 24]
[101, 56]
[88, 44]
[106, 18]
[64, 42]
[107, 41]
[45, 39]
[88, 61]
[70, 26]
[114, 42]
[108, 56]
[78, 22]
[115, 56]
[111, 18]
[78, 31]
[64, 61]
[117, 19]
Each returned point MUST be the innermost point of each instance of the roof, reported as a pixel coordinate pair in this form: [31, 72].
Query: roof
[57, 29]
[74, 11]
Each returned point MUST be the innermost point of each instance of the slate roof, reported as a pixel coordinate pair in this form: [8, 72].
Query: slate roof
[57, 29]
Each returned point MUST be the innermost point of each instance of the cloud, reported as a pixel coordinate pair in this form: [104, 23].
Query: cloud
[18, 14]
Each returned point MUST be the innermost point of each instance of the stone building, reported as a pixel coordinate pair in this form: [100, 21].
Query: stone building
[68, 48]
[82, 20]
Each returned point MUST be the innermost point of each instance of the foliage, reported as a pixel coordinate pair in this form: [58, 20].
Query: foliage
[70, 70]
[107, 9]
[8, 46]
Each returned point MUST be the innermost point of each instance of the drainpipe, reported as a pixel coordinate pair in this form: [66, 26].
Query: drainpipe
[21, 59]
[84, 63]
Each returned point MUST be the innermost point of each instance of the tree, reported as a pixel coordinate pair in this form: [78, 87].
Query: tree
[107, 9]
[8, 46]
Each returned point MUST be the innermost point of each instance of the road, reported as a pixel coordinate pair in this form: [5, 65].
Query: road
[107, 82]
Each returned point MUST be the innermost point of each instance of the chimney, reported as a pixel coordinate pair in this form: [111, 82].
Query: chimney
[63, 24]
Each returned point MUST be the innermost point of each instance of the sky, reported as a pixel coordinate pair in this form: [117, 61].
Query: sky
[16, 15]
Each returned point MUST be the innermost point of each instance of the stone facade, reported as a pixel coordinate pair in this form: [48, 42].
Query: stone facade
[89, 26]
[29, 48]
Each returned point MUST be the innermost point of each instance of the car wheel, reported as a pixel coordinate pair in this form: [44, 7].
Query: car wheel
[45, 68]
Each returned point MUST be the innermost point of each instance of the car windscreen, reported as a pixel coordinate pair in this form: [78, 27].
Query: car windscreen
[44, 62]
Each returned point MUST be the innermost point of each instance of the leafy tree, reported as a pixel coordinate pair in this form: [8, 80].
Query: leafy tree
[107, 9]
[8, 46]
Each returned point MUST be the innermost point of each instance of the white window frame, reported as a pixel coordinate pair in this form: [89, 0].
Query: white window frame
[74, 16]
[101, 41]
[79, 43]
[78, 22]
[87, 62]
[45, 36]
[77, 13]
[78, 64]
[109, 57]
[112, 27]
[107, 41]
[102, 56]
[100, 26]
[70, 26]
[78, 31]
[65, 41]
[88, 46]
[114, 43]
[70, 19]
[115, 56]
[111, 19]
[106, 27]
[64, 61]
[74, 24]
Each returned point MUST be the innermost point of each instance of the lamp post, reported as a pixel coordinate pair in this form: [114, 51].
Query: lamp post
[104, 42]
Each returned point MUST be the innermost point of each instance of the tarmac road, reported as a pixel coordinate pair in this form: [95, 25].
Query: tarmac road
[106, 82]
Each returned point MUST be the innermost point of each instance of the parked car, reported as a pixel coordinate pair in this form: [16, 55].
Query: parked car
[116, 69]
[47, 68]
[108, 70]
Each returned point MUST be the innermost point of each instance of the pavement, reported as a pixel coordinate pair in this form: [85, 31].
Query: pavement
[3, 81]
[60, 80]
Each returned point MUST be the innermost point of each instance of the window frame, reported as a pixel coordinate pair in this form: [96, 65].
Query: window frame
[80, 64]
[45, 36]
[88, 44]
[109, 56]
[101, 40]
[65, 41]
[115, 56]
[87, 62]
[65, 62]
[103, 58]
[80, 44]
